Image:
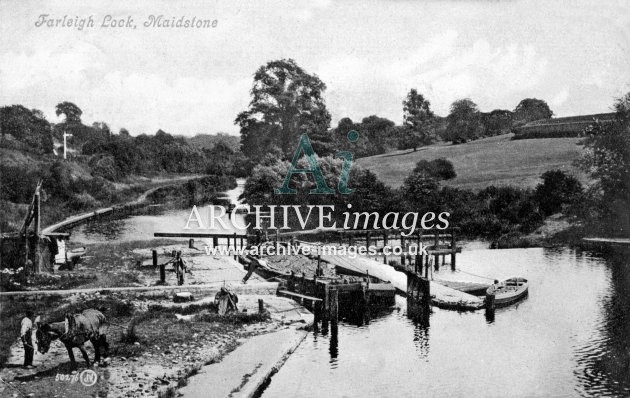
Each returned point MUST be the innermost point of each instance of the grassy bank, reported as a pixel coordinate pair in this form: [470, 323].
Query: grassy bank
[491, 161]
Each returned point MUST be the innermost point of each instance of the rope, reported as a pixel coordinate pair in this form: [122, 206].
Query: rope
[480, 276]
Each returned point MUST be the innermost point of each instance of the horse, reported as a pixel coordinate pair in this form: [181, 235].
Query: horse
[74, 332]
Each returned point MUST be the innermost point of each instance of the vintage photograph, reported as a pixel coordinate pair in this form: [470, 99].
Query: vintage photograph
[353, 198]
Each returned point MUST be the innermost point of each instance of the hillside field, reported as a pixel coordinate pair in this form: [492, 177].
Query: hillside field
[495, 161]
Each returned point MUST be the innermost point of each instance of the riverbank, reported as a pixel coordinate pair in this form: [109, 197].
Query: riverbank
[168, 342]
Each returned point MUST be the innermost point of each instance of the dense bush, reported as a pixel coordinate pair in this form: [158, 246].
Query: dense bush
[440, 169]
[557, 189]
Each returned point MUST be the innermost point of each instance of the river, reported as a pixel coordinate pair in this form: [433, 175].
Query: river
[142, 227]
[570, 337]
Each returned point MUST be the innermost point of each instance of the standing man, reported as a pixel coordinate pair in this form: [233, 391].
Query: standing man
[26, 331]
[180, 268]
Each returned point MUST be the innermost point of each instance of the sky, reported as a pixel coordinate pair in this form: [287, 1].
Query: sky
[573, 54]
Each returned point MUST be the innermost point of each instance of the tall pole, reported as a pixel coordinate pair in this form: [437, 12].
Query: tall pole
[37, 227]
[65, 146]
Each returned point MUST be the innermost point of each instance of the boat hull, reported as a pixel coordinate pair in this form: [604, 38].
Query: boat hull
[509, 291]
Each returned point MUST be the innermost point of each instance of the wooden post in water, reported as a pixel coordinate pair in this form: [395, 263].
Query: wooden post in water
[436, 244]
[333, 297]
[155, 258]
[420, 252]
[453, 250]
[319, 265]
[490, 302]
[402, 245]
[384, 244]
[425, 287]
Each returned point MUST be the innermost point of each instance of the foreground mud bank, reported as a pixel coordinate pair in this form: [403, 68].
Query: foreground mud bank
[155, 344]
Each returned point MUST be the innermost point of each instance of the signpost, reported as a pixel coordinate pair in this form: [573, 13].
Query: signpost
[65, 147]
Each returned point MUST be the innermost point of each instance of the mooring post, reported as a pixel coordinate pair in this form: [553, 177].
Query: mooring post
[154, 254]
[261, 306]
[319, 265]
[384, 245]
[453, 250]
[191, 243]
[334, 305]
[436, 245]
[425, 287]
[402, 245]
[215, 241]
[162, 273]
[490, 301]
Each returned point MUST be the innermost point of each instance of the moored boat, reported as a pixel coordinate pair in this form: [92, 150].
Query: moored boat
[509, 291]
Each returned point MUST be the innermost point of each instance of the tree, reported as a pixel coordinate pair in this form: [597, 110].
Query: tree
[71, 112]
[286, 102]
[557, 189]
[417, 121]
[464, 122]
[497, 122]
[607, 159]
[531, 109]
[377, 130]
[420, 192]
[439, 169]
[27, 126]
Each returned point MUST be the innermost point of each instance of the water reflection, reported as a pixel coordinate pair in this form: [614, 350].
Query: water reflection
[109, 230]
[604, 358]
[569, 337]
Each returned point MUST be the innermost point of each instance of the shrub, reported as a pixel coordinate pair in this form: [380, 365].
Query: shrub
[557, 189]
[440, 169]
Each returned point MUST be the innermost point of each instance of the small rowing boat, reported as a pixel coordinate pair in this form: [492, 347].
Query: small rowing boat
[508, 291]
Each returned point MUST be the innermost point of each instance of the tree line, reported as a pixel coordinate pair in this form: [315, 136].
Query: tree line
[287, 101]
[495, 212]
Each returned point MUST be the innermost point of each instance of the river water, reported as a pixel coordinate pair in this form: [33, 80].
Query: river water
[142, 227]
[569, 337]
